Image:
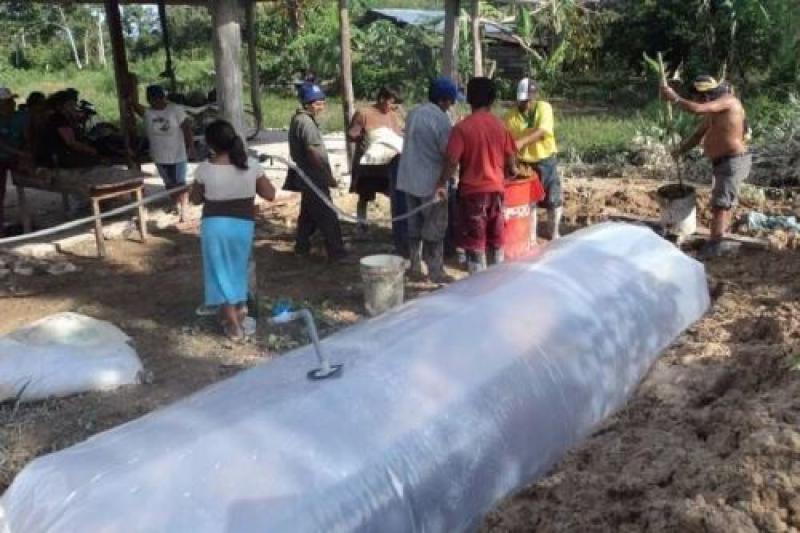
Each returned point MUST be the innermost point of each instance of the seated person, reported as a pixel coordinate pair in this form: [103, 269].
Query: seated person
[60, 145]
[35, 112]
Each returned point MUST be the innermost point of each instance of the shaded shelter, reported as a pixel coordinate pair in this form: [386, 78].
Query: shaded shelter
[227, 16]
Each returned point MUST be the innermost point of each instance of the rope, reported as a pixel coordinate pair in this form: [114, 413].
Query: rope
[163, 194]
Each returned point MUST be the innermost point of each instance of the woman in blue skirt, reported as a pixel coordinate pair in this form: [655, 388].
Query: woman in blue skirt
[226, 185]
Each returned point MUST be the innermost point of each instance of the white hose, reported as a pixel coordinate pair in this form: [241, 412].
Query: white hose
[154, 197]
[87, 220]
[347, 216]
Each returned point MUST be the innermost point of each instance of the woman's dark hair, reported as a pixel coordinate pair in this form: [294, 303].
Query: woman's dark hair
[222, 138]
[481, 92]
[388, 93]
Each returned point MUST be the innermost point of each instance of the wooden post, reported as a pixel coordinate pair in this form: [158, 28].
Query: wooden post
[227, 47]
[348, 107]
[169, 70]
[121, 75]
[477, 42]
[252, 57]
[450, 49]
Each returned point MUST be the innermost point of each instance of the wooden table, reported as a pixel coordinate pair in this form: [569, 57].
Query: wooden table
[96, 184]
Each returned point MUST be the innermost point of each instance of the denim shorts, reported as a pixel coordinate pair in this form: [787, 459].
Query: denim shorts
[548, 174]
[173, 175]
[729, 174]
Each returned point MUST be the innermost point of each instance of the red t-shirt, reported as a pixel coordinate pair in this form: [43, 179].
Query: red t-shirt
[481, 144]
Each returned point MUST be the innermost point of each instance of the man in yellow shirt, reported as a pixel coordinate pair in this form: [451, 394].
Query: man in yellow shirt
[532, 126]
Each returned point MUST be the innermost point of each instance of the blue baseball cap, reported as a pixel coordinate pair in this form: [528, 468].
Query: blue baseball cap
[443, 88]
[310, 92]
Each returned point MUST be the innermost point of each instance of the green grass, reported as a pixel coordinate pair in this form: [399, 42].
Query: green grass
[591, 137]
[594, 137]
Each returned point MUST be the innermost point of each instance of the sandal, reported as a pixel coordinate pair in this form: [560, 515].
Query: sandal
[234, 334]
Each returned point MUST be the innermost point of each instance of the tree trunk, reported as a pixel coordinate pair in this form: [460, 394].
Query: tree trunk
[295, 10]
[101, 45]
[347, 71]
[227, 47]
[477, 42]
[86, 48]
[450, 49]
[121, 74]
[252, 57]
[168, 69]
[70, 38]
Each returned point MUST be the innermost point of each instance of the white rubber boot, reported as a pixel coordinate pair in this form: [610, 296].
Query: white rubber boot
[416, 270]
[554, 221]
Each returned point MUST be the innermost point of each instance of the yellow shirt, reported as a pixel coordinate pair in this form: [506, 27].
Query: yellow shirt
[541, 117]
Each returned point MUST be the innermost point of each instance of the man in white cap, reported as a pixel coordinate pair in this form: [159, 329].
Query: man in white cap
[532, 125]
[12, 141]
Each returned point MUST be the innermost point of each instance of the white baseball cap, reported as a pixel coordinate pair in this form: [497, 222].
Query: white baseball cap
[6, 94]
[524, 88]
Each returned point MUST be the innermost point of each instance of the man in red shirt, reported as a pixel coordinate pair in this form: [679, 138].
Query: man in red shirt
[485, 151]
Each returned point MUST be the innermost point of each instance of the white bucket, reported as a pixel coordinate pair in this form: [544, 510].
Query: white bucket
[678, 205]
[384, 282]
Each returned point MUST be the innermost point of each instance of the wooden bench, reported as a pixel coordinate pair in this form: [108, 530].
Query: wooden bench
[97, 184]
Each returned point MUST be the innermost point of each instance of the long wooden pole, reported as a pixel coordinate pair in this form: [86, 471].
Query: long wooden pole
[450, 49]
[227, 48]
[348, 107]
[477, 42]
[252, 59]
[121, 76]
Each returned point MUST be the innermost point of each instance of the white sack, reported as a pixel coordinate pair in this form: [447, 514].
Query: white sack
[65, 354]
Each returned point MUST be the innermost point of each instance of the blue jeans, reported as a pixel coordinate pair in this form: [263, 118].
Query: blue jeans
[399, 207]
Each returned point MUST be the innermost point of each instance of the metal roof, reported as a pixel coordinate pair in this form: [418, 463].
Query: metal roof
[432, 19]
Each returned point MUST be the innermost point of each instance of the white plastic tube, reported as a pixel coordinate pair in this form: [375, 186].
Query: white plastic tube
[448, 403]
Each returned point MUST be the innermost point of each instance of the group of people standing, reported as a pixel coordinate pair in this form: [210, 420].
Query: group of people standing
[415, 163]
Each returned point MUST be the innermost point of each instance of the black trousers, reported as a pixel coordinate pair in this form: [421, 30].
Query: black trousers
[315, 215]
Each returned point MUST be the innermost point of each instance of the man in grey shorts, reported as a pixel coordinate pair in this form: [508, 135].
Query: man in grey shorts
[722, 133]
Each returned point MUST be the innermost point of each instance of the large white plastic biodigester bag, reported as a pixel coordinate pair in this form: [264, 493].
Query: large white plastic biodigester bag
[445, 405]
[63, 354]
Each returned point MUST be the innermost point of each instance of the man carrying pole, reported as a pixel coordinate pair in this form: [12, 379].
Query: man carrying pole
[722, 133]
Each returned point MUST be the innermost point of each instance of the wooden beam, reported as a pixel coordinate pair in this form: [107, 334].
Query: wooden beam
[122, 76]
[227, 40]
[477, 42]
[252, 57]
[450, 49]
[347, 71]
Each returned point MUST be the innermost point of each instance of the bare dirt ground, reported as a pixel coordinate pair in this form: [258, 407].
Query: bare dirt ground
[708, 444]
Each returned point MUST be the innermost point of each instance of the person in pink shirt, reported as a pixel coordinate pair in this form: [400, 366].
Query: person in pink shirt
[484, 150]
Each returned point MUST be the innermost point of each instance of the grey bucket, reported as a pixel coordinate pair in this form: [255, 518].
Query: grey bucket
[384, 282]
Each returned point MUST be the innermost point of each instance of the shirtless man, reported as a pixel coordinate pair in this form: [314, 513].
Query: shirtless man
[722, 133]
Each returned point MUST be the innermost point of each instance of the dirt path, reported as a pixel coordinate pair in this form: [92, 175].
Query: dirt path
[707, 444]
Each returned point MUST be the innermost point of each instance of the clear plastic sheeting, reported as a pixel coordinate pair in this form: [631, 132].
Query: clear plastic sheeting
[446, 405]
[65, 354]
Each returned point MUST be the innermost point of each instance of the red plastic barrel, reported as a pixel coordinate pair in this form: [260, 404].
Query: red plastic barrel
[519, 195]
